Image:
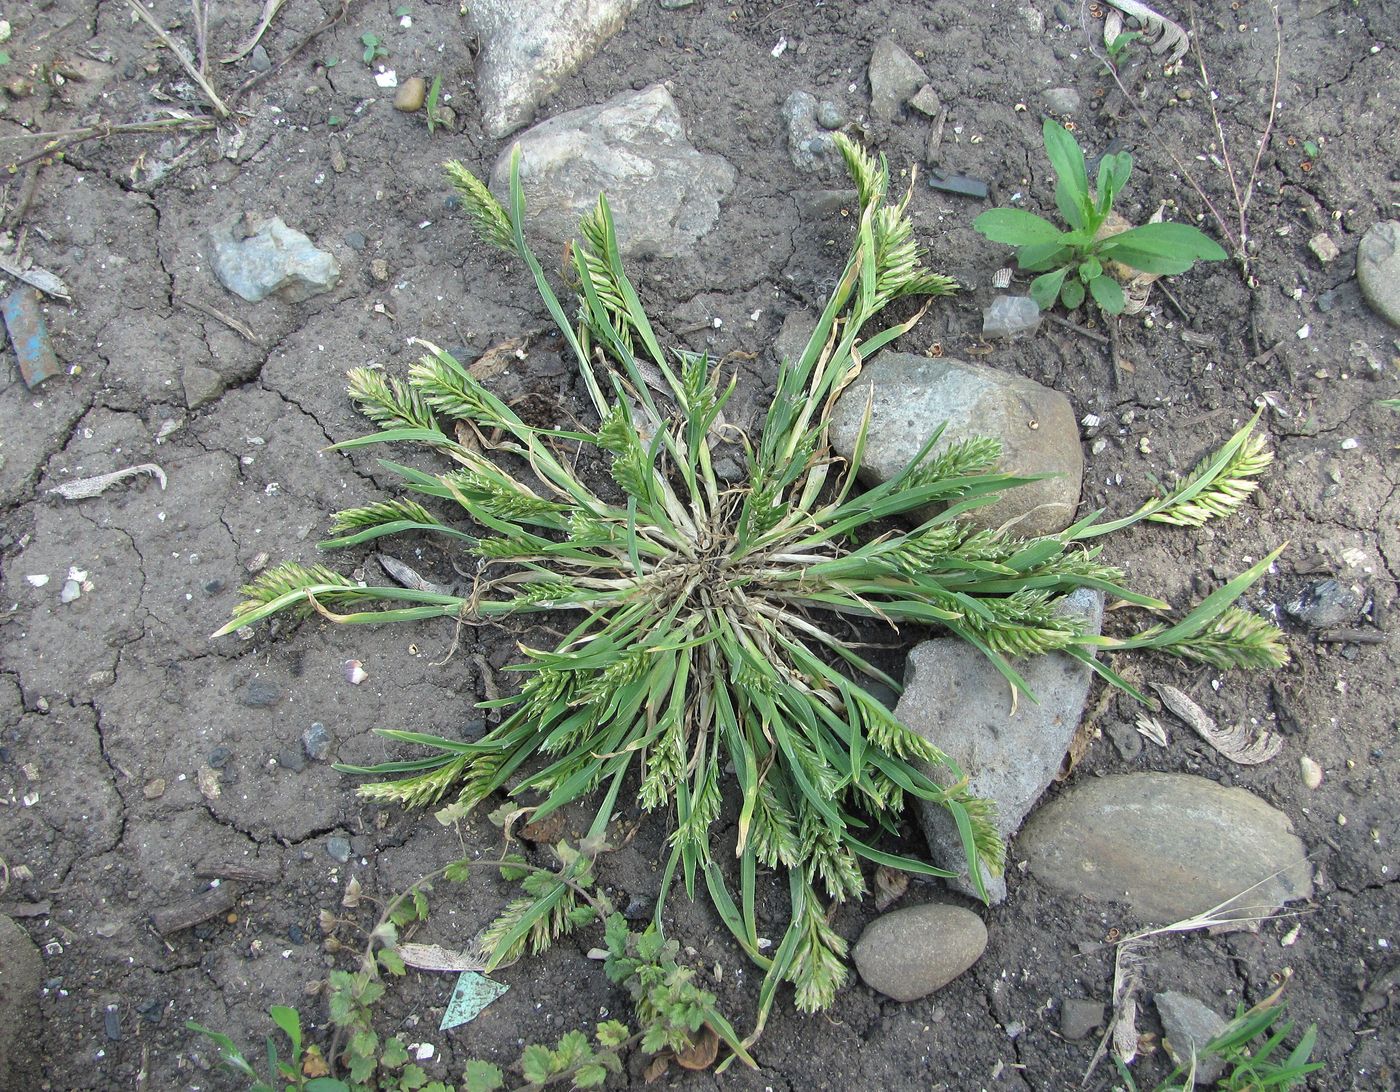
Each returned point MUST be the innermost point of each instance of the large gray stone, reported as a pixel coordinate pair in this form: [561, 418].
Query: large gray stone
[914, 394]
[895, 78]
[663, 193]
[273, 259]
[1187, 1026]
[907, 954]
[1378, 269]
[959, 702]
[1169, 845]
[528, 47]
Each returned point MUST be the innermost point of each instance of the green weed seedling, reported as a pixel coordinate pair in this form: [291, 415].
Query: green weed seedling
[1074, 263]
[374, 48]
[703, 662]
[1251, 1046]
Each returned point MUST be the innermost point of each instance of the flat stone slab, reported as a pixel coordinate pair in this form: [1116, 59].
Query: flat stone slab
[907, 954]
[528, 47]
[1169, 845]
[957, 700]
[913, 395]
[664, 194]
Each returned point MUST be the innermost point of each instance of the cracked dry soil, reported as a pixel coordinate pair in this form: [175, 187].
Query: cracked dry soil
[138, 759]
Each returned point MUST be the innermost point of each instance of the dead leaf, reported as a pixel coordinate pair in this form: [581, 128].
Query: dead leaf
[83, 488]
[351, 898]
[702, 1052]
[656, 1068]
[547, 830]
[434, 957]
[497, 359]
[409, 577]
[890, 885]
[1234, 743]
[1125, 1033]
[1079, 745]
[1152, 728]
[314, 1065]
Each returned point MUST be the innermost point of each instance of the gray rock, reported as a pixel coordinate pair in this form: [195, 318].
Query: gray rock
[528, 47]
[1169, 845]
[664, 194]
[1078, 1017]
[895, 78]
[819, 204]
[1378, 269]
[21, 971]
[1010, 316]
[830, 115]
[1327, 603]
[338, 848]
[260, 61]
[811, 149]
[958, 701]
[291, 759]
[909, 953]
[202, 385]
[316, 742]
[914, 394]
[260, 694]
[926, 102]
[1188, 1025]
[1061, 100]
[1127, 740]
[274, 259]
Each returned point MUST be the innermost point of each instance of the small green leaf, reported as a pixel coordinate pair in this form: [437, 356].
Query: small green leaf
[289, 1020]
[1045, 288]
[1089, 269]
[612, 1033]
[1072, 293]
[395, 1054]
[592, 1075]
[536, 1063]
[1311, 149]
[1038, 257]
[1071, 177]
[482, 1076]
[1015, 227]
[392, 962]
[1108, 294]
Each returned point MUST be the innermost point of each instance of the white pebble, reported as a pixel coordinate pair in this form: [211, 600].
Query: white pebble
[1311, 771]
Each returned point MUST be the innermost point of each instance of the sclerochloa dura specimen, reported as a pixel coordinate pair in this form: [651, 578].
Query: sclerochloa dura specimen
[707, 670]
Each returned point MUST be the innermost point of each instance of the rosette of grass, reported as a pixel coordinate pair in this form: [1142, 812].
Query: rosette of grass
[715, 665]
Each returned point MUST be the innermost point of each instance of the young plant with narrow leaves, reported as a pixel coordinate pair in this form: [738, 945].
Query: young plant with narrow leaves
[711, 662]
[1077, 263]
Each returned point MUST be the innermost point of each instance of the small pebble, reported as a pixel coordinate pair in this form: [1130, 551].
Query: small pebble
[316, 741]
[154, 790]
[1078, 1017]
[259, 694]
[379, 269]
[260, 61]
[410, 95]
[338, 848]
[830, 115]
[926, 101]
[355, 672]
[112, 1024]
[1323, 248]
[295, 934]
[1311, 771]
[213, 587]
[355, 240]
[290, 758]
[218, 757]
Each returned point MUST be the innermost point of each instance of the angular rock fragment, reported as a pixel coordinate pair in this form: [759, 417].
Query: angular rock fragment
[274, 258]
[664, 194]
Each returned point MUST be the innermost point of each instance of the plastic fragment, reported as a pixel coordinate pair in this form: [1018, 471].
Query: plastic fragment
[1010, 316]
[470, 996]
[964, 185]
[29, 336]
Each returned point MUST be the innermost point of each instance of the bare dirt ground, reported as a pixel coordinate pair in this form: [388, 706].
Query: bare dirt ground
[137, 757]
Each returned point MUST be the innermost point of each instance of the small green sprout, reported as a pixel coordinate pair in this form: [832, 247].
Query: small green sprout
[435, 116]
[374, 48]
[1074, 263]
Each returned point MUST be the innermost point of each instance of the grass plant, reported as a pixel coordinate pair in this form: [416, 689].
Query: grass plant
[712, 668]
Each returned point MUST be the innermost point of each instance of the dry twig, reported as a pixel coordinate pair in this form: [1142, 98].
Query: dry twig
[184, 58]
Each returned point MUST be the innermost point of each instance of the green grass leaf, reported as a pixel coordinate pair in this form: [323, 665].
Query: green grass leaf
[1015, 227]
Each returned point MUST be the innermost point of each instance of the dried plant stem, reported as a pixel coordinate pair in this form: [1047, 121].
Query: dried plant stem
[184, 58]
[1236, 229]
[60, 140]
